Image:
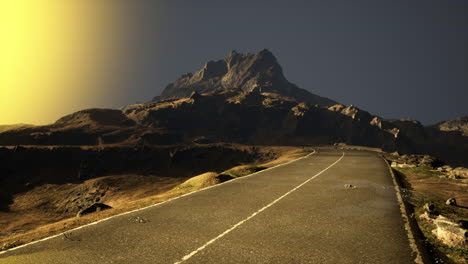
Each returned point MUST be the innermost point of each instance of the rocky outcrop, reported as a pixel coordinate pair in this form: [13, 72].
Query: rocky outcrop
[402, 161]
[458, 173]
[241, 71]
[244, 98]
[458, 124]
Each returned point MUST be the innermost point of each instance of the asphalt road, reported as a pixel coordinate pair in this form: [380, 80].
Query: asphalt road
[297, 213]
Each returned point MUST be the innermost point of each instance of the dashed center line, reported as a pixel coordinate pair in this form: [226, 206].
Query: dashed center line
[193, 253]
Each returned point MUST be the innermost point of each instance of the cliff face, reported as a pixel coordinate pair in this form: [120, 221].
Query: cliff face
[245, 72]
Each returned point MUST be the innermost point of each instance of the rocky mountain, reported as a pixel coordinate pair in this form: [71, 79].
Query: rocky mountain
[458, 124]
[242, 99]
[245, 72]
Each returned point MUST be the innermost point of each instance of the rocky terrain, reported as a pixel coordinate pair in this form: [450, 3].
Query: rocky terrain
[437, 196]
[458, 124]
[245, 72]
[254, 117]
[246, 99]
[210, 123]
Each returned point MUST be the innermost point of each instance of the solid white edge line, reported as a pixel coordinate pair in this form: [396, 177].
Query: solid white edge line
[409, 231]
[191, 254]
[154, 205]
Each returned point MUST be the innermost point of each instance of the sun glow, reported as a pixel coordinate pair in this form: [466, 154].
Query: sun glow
[55, 56]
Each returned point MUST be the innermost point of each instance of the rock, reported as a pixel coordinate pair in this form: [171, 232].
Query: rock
[458, 173]
[376, 122]
[451, 232]
[427, 217]
[139, 220]
[350, 186]
[351, 111]
[9, 245]
[96, 207]
[453, 177]
[446, 168]
[451, 201]
[195, 95]
[429, 207]
[404, 165]
[336, 107]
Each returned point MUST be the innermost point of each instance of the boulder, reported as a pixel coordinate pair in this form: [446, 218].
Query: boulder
[451, 201]
[429, 207]
[451, 232]
[427, 217]
[458, 173]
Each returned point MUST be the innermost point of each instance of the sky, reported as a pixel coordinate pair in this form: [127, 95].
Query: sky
[393, 58]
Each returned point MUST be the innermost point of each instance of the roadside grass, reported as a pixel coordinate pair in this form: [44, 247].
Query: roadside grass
[421, 171]
[240, 171]
[440, 252]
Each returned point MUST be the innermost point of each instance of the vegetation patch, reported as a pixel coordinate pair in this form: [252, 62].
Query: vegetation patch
[240, 171]
[421, 171]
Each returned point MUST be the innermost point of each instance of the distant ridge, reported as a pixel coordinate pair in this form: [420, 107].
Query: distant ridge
[4, 128]
[459, 124]
[241, 71]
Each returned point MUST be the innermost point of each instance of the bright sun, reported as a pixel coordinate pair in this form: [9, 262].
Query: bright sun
[50, 55]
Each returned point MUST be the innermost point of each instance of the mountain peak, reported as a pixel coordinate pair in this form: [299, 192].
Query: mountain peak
[245, 71]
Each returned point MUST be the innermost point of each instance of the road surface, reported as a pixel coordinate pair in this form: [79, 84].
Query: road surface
[300, 212]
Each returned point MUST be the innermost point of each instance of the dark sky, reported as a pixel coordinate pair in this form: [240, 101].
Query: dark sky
[395, 58]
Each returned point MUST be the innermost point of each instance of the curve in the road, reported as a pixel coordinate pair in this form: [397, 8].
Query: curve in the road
[191, 254]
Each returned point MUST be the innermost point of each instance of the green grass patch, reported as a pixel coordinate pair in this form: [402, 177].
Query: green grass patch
[421, 170]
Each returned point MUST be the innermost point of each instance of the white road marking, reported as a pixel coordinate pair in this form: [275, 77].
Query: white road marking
[191, 254]
[153, 205]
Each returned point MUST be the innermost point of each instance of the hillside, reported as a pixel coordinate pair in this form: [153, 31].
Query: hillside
[4, 128]
[244, 99]
[242, 117]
